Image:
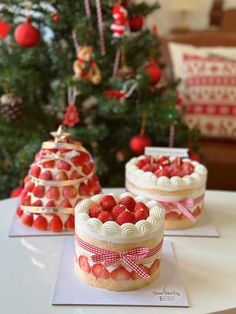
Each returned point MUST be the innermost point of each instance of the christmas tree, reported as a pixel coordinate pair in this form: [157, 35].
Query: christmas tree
[110, 62]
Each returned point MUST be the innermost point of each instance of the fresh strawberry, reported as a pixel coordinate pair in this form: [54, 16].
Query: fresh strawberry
[95, 210]
[197, 212]
[85, 157]
[75, 175]
[162, 172]
[163, 161]
[128, 202]
[125, 217]
[27, 219]
[40, 223]
[172, 216]
[77, 161]
[154, 167]
[55, 224]
[35, 171]
[61, 176]
[83, 189]
[19, 211]
[187, 168]
[140, 214]
[177, 162]
[48, 164]
[117, 210]
[135, 276]
[147, 159]
[46, 175]
[84, 264]
[108, 202]
[24, 193]
[29, 186]
[140, 163]
[100, 272]
[50, 204]
[176, 173]
[37, 203]
[63, 165]
[26, 201]
[65, 204]
[70, 223]
[147, 167]
[104, 216]
[53, 193]
[39, 191]
[87, 168]
[141, 206]
[37, 157]
[120, 273]
[155, 265]
[69, 191]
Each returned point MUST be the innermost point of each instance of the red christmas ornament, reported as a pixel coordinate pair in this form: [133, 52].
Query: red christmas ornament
[26, 35]
[135, 22]
[4, 28]
[17, 191]
[154, 73]
[138, 143]
[71, 116]
[55, 17]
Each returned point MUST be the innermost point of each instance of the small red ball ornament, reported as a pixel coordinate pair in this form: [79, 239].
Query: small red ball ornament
[154, 73]
[26, 35]
[138, 143]
[135, 22]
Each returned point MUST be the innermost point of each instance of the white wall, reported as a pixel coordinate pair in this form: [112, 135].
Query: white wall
[165, 19]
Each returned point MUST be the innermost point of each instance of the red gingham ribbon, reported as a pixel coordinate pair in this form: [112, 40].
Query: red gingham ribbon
[112, 257]
[182, 206]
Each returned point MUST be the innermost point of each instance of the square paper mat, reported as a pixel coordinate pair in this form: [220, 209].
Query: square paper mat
[167, 290]
[17, 229]
[204, 228]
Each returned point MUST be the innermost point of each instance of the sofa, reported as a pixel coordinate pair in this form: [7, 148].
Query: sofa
[220, 155]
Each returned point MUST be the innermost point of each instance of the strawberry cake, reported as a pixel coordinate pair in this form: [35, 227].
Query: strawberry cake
[61, 175]
[118, 240]
[178, 185]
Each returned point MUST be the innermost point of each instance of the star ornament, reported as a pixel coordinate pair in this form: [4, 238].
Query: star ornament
[60, 135]
[4, 28]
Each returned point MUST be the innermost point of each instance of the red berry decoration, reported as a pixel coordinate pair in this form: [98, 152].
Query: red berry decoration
[95, 210]
[128, 202]
[138, 143]
[154, 73]
[125, 217]
[135, 22]
[117, 210]
[55, 17]
[105, 216]
[26, 35]
[108, 202]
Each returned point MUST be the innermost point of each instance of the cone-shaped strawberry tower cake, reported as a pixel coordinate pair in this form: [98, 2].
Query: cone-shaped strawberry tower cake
[118, 240]
[61, 175]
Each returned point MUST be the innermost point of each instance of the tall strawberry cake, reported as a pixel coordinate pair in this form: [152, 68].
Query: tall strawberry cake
[178, 185]
[61, 175]
[118, 241]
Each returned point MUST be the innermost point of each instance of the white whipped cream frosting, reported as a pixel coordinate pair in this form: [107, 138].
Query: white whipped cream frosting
[111, 231]
[149, 180]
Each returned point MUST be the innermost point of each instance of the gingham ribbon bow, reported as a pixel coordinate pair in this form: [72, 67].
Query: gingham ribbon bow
[183, 206]
[112, 257]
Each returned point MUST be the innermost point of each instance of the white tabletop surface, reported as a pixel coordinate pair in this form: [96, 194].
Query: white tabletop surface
[28, 267]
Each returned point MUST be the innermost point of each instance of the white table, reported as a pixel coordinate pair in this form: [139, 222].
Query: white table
[28, 267]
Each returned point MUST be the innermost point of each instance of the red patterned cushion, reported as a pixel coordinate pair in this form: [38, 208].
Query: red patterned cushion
[210, 95]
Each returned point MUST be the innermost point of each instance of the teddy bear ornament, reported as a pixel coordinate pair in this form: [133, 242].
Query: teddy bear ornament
[85, 67]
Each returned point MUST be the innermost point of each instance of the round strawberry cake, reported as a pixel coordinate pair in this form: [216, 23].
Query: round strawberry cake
[61, 175]
[118, 240]
[177, 184]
